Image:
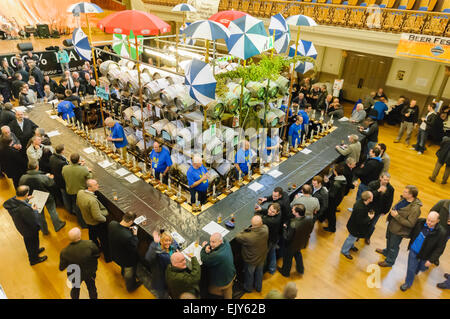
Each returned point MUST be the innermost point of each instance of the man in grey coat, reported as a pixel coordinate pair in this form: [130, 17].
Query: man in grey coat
[353, 149]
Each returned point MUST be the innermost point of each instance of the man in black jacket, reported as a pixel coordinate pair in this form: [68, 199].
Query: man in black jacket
[443, 158]
[37, 180]
[296, 235]
[383, 196]
[272, 218]
[281, 197]
[26, 221]
[16, 85]
[321, 193]
[57, 162]
[358, 223]
[23, 128]
[369, 171]
[427, 244]
[123, 243]
[350, 164]
[50, 82]
[410, 116]
[370, 131]
[80, 258]
[336, 188]
[12, 161]
[443, 208]
[7, 114]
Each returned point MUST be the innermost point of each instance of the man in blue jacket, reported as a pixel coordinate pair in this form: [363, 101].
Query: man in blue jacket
[217, 258]
[65, 110]
[161, 162]
[197, 176]
[117, 135]
[243, 159]
[295, 132]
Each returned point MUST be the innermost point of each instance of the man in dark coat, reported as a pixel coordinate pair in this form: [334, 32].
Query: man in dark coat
[410, 116]
[37, 73]
[180, 278]
[272, 218]
[383, 196]
[82, 256]
[370, 131]
[26, 221]
[12, 161]
[23, 128]
[443, 208]
[57, 162]
[369, 171]
[443, 158]
[16, 85]
[358, 223]
[7, 114]
[50, 82]
[350, 164]
[37, 180]
[336, 189]
[296, 236]
[321, 193]
[427, 244]
[281, 197]
[123, 243]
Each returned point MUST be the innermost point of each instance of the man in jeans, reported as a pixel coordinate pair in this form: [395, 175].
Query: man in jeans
[358, 223]
[410, 115]
[272, 218]
[402, 218]
[254, 250]
[427, 244]
[123, 243]
[425, 127]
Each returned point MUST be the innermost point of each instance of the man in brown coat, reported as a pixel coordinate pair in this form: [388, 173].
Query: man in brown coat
[402, 219]
[254, 249]
[296, 235]
[94, 214]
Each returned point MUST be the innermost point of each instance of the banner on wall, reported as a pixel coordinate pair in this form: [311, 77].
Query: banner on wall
[48, 60]
[425, 47]
[205, 9]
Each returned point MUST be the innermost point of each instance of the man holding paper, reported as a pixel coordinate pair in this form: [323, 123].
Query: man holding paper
[197, 176]
[161, 162]
[25, 218]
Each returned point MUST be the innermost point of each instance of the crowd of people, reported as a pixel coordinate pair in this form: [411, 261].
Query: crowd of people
[281, 230]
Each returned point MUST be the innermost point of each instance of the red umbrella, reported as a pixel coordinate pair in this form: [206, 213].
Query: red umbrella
[225, 17]
[142, 23]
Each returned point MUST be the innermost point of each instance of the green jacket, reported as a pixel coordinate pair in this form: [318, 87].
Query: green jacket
[406, 219]
[254, 244]
[219, 264]
[92, 210]
[83, 253]
[183, 280]
[75, 176]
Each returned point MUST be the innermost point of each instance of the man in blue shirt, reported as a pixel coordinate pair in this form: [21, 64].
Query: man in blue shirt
[296, 131]
[197, 176]
[65, 109]
[161, 162]
[381, 107]
[243, 159]
[427, 244]
[117, 135]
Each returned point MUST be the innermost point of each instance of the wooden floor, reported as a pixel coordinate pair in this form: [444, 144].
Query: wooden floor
[327, 273]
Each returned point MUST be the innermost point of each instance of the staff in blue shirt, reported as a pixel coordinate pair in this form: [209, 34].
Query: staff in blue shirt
[197, 176]
[161, 162]
[65, 109]
[428, 239]
[242, 159]
[296, 131]
[117, 135]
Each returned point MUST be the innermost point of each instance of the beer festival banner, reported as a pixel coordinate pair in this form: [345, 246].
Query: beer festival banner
[427, 47]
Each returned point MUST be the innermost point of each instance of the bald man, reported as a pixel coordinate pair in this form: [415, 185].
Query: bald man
[427, 244]
[358, 114]
[180, 278]
[80, 258]
[254, 241]
[94, 214]
[217, 259]
[6, 132]
[23, 128]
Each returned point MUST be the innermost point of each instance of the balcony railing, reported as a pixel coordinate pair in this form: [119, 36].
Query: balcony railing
[356, 17]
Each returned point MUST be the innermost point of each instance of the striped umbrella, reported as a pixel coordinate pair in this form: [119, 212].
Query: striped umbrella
[200, 81]
[248, 37]
[206, 29]
[120, 45]
[282, 35]
[84, 7]
[305, 48]
[184, 7]
[303, 67]
[186, 41]
[301, 20]
[81, 44]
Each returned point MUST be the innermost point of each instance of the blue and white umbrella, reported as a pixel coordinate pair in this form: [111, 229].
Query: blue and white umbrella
[303, 67]
[282, 35]
[201, 82]
[206, 29]
[84, 7]
[248, 37]
[305, 48]
[301, 20]
[184, 7]
[183, 40]
[81, 44]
